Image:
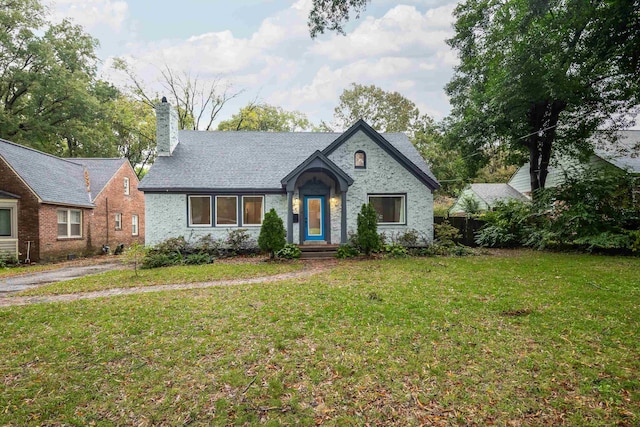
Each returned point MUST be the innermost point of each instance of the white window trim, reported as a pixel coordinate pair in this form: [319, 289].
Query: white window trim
[68, 212]
[261, 213]
[189, 212]
[126, 187]
[118, 221]
[216, 213]
[134, 225]
[404, 205]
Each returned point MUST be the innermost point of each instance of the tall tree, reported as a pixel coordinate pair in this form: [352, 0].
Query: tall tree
[133, 124]
[266, 118]
[49, 96]
[384, 111]
[333, 14]
[198, 101]
[544, 75]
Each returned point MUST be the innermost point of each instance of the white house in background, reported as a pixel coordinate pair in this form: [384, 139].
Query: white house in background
[625, 155]
[485, 197]
[214, 182]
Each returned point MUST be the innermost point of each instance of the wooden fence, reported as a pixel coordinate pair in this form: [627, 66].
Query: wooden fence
[468, 227]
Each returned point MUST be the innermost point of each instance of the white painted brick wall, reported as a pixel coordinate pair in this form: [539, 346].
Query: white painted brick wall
[383, 175]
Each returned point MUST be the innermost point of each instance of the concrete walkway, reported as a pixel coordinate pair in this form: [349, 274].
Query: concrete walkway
[310, 269]
[26, 281]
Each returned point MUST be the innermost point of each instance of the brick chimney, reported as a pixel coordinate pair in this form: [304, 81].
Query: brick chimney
[166, 128]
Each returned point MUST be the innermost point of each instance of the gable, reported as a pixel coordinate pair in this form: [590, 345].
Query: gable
[101, 171]
[400, 151]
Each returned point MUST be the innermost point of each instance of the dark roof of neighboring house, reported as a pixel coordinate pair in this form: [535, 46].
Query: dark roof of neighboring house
[491, 193]
[100, 171]
[54, 180]
[249, 160]
[625, 154]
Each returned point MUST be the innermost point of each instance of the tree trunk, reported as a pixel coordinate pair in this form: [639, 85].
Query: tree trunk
[543, 118]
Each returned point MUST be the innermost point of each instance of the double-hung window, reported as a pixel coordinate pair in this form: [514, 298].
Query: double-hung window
[391, 208]
[227, 211]
[118, 221]
[69, 223]
[200, 211]
[134, 225]
[252, 210]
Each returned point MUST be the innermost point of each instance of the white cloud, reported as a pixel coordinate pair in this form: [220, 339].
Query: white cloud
[92, 13]
[403, 50]
[402, 29]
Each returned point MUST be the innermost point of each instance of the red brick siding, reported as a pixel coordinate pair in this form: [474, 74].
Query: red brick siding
[28, 206]
[113, 200]
[51, 246]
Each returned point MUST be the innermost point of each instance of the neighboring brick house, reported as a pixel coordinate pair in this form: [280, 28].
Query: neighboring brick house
[214, 182]
[51, 207]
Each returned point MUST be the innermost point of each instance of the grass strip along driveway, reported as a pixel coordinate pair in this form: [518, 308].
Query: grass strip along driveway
[523, 339]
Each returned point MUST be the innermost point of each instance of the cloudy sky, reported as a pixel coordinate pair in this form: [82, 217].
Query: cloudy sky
[263, 47]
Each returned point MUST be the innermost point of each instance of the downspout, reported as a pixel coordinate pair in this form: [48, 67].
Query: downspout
[106, 206]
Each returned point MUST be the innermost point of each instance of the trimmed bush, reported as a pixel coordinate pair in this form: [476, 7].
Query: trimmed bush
[367, 238]
[272, 233]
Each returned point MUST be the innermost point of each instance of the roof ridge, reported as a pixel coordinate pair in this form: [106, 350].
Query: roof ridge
[64, 159]
[94, 158]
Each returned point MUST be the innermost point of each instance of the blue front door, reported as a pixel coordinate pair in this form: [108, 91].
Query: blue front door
[314, 218]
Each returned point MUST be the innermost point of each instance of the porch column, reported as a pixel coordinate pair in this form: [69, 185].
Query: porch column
[289, 216]
[343, 225]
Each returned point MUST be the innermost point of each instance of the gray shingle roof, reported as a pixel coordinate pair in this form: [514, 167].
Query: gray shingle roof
[625, 154]
[491, 193]
[100, 171]
[246, 160]
[53, 179]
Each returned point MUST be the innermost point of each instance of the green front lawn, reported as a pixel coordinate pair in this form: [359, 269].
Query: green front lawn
[162, 276]
[522, 339]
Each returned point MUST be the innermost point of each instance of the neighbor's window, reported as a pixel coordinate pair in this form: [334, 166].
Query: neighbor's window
[134, 225]
[118, 221]
[69, 223]
[360, 160]
[126, 186]
[226, 210]
[252, 210]
[6, 230]
[390, 208]
[200, 211]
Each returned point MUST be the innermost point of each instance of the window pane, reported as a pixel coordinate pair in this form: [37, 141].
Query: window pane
[134, 225]
[75, 230]
[5, 222]
[75, 217]
[390, 209]
[62, 224]
[226, 210]
[360, 160]
[252, 210]
[314, 216]
[200, 210]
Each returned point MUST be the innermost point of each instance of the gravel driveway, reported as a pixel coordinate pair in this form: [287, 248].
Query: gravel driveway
[26, 281]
